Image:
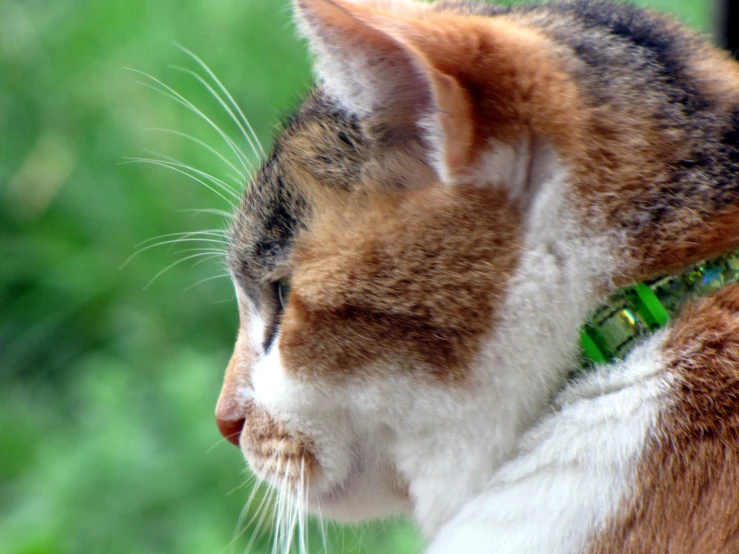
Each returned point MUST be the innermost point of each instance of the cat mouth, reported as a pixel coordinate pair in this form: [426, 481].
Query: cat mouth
[296, 470]
[291, 466]
[286, 463]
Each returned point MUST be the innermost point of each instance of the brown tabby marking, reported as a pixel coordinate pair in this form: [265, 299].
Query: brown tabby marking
[686, 499]
[400, 280]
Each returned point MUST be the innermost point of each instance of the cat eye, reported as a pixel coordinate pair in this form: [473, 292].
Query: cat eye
[283, 292]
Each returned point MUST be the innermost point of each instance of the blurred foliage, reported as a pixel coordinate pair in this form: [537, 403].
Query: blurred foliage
[107, 385]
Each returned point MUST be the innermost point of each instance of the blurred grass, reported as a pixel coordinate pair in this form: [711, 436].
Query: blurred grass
[107, 388]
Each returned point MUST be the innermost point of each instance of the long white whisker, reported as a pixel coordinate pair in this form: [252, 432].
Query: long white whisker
[293, 512]
[208, 258]
[221, 213]
[170, 266]
[287, 510]
[302, 529]
[242, 516]
[265, 499]
[271, 493]
[176, 241]
[226, 92]
[178, 169]
[249, 479]
[278, 515]
[279, 524]
[240, 528]
[215, 253]
[235, 192]
[201, 281]
[177, 97]
[174, 161]
[321, 526]
[262, 512]
[211, 250]
[186, 234]
[223, 104]
[224, 159]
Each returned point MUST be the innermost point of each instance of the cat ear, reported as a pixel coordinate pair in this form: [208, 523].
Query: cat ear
[366, 60]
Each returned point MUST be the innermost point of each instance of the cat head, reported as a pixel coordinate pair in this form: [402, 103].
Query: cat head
[402, 262]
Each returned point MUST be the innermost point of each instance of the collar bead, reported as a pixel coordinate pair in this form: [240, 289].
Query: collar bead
[638, 311]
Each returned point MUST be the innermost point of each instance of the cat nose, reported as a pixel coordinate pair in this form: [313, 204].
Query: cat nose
[231, 429]
[230, 410]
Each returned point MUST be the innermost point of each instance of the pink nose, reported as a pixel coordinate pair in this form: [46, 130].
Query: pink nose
[231, 429]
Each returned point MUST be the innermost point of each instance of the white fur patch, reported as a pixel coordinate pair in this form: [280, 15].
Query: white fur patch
[572, 470]
[271, 385]
[255, 325]
[257, 328]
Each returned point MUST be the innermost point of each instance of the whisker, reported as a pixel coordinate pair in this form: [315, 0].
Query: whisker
[217, 444]
[207, 259]
[241, 176]
[174, 161]
[302, 529]
[262, 512]
[201, 281]
[217, 253]
[174, 167]
[211, 250]
[243, 183]
[287, 510]
[188, 234]
[221, 213]
[271, 491]
[226, 92]
[170, 266]
[169, 92]
[240, 528]
[277, 533]
[231, 189]
[321, 526]
[260, 515]
[163, 243]
[175, 97]
[249, 479]
[223, 104]
[275, 529]
[294, 509]
[265, 499]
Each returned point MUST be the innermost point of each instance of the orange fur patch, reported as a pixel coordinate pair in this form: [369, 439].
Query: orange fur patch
[405, 280]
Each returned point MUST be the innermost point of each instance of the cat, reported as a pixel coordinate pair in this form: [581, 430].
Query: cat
[416, 258]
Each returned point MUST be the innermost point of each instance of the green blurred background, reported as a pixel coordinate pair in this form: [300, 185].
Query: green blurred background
[107, 386]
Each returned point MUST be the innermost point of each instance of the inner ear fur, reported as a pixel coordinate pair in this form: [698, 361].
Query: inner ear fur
[367, 60]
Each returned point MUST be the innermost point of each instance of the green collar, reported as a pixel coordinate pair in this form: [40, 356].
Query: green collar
[638, 311]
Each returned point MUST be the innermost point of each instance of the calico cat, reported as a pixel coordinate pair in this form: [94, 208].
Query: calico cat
[416, 259]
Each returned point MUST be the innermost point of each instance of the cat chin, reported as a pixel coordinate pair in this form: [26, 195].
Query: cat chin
[363, 494]
[353, 497]
[358, 501]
